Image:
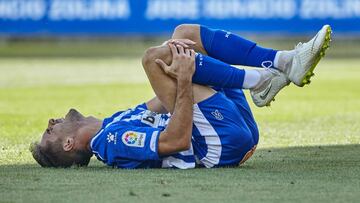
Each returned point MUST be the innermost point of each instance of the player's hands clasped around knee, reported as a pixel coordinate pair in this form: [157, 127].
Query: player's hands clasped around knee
[183, 62]
[186, 43]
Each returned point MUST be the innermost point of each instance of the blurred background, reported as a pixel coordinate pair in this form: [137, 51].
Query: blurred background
[86, 54]
[126, 27]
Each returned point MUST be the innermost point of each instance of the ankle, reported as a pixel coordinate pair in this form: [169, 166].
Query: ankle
[251, 79]
[283, 60]
[265, 76]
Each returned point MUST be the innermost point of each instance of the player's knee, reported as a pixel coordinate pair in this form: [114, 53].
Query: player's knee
[185, 31]
[153, 53]
[149, 56]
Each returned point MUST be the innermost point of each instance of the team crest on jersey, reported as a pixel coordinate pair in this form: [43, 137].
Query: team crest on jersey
[134, 139]
[111, 138]
[217, 115]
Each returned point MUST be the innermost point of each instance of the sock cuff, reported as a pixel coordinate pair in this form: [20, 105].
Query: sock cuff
[273, 54]
[276, 59]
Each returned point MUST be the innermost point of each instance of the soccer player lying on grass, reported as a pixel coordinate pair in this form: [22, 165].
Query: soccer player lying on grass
[186, 124]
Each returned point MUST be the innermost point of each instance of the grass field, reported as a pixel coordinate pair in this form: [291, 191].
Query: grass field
[309, 148]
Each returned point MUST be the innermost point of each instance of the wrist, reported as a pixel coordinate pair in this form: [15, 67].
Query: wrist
[185, 78]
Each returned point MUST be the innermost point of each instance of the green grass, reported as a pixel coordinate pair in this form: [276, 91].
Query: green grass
[309, 147]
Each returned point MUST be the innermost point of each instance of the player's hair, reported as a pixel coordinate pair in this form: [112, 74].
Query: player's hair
[53, 155]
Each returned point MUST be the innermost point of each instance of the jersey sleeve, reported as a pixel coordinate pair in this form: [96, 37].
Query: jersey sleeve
[132, 143]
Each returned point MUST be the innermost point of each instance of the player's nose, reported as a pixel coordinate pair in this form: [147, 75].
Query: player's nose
[59, 120]
[51, 122]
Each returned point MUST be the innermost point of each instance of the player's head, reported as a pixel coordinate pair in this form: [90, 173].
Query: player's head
[63, 143]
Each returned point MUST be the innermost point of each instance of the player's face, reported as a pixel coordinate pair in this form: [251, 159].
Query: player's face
[62, 127]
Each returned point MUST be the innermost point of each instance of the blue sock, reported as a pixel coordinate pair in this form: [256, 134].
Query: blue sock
[212, 72]
[233, 49]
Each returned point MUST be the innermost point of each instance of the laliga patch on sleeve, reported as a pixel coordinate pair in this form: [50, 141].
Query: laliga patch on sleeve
[133, 139]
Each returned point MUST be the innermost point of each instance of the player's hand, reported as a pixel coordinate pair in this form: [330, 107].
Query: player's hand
[183, 62]
[186, 43]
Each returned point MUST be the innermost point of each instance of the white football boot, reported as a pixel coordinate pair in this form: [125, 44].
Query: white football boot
[307, 56]
[271, 82]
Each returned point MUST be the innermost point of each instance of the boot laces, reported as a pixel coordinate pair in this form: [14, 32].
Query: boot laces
[268, 67]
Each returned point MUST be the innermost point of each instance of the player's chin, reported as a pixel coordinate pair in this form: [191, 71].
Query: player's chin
[83, 158]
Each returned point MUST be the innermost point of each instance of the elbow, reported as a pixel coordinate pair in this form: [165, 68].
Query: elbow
[173, 144]
[184, 146]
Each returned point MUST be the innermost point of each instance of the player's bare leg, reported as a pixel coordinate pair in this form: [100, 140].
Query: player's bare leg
[163, 85]
[264, 84]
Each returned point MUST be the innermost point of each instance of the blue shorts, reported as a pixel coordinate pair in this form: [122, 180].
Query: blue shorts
[224, 132]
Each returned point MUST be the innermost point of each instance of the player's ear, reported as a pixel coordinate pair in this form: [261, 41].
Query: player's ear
[68, 144]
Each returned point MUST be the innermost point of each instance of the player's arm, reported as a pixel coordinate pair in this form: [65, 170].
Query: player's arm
[177, 136]
[155, 105]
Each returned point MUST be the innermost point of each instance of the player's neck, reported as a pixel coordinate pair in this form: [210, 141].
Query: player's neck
[89, 130]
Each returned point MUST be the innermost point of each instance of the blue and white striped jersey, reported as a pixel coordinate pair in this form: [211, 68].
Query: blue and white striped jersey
[224, 134]
[129, 139]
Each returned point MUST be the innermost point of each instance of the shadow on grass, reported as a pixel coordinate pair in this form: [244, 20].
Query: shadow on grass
[288, 158]
[293, 174]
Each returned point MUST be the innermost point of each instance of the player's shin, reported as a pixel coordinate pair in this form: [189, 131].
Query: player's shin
[264, 84]
[233, 49]
[212, 72]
